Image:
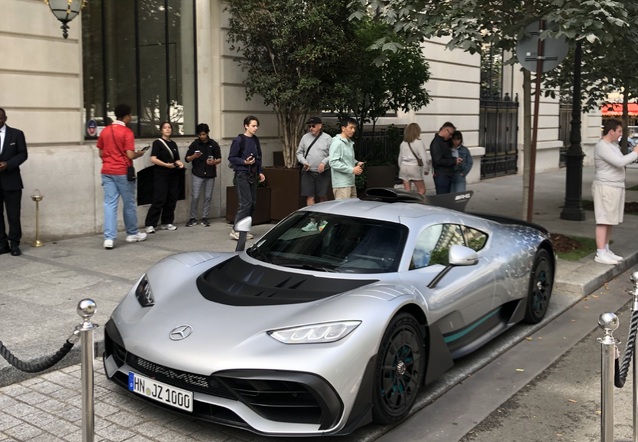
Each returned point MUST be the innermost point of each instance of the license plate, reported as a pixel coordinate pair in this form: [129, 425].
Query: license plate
[175, 397]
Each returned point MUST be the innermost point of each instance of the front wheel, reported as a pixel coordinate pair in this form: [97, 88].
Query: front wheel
[541, 283]
[399, 370]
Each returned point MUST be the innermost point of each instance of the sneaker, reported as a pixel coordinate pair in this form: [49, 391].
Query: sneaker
[235, 235]
[168, 227]
[191, 222]
[150, 229]
[613, 255]
[310, 227]
[138, 237]
[322, 225]
[604, 258]
[108, 244]
[205, 222]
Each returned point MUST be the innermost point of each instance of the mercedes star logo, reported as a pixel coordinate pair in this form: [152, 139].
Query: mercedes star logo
[181, 332]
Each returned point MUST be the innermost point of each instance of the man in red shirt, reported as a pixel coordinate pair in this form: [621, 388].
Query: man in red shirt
[117, 150]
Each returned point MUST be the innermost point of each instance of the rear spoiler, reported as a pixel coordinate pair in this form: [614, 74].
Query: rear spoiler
[455, 201]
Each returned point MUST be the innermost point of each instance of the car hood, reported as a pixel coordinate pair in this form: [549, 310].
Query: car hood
[227, 335]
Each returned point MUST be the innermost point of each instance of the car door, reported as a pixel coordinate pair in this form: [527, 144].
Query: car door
[465, 295]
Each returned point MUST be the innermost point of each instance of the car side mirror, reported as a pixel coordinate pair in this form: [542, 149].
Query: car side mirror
[242, 226]
[462, 256]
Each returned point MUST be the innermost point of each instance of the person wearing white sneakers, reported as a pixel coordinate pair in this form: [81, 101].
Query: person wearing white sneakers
[608, 188]
[245, 158]
[165, 157]
[116, 146]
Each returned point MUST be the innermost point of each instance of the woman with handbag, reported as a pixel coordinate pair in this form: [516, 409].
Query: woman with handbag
[165, 157]
[413, 162]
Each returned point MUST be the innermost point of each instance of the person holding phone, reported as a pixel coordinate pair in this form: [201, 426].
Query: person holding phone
[116, 147]
[204, 153]
[245, 157]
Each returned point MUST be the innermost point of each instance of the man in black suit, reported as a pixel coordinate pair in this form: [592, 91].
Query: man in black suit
[13, 152]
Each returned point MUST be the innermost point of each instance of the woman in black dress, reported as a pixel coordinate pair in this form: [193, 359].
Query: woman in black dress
[165, 156]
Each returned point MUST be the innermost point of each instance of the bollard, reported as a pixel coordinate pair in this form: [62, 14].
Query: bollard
[37, 197]
[86, 309]
[608, 322]
[634, 307]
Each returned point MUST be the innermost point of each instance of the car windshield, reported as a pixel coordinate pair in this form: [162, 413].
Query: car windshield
[332, 243]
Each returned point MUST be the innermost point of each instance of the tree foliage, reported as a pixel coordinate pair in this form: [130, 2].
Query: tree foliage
[308, 56]
[372, 89]
[290, 55]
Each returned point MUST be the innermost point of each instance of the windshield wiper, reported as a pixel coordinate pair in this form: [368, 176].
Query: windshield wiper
[254, 251]
[315, 267]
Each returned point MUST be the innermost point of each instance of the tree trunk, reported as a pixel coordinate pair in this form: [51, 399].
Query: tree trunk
[291, 126]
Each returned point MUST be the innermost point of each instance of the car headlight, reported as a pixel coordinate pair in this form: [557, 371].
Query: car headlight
[144, 294]
[315, 333]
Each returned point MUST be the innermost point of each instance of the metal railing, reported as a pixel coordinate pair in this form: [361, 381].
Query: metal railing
[84, 332]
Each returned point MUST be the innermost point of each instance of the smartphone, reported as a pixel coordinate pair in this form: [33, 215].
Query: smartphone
[145, 148]
[198, 151]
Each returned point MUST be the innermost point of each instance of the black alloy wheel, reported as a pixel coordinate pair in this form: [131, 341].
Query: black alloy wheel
[541, 283]
[399, 370]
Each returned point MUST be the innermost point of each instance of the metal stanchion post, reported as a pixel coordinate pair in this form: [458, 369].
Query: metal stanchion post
[37, 197]
[608, 322]
[634, 308]
[86, 309]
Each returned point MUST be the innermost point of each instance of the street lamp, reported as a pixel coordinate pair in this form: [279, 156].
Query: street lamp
[65, 11]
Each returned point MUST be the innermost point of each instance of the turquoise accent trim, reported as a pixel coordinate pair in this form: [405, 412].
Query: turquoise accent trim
[464, 332]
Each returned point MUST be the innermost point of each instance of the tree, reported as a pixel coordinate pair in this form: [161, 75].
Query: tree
[292, 55]
[369, 89]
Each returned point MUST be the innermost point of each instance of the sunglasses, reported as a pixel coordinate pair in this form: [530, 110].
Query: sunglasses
[313, 125]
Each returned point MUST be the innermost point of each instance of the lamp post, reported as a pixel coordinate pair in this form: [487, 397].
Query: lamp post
[65, 11]
[573, 208]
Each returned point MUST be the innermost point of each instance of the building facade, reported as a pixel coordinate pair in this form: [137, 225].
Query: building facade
[170, 59]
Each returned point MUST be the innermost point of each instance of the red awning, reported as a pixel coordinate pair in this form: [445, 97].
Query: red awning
[615, 109]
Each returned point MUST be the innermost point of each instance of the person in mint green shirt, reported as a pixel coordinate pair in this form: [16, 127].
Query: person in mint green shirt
[343, 164]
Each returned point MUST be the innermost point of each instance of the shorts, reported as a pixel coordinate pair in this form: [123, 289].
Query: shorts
[609, 203]
[411, 172]
[342, 193]
[315, 183]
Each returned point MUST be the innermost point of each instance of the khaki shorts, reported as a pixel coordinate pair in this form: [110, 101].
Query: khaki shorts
[609, 203]
[342, 193]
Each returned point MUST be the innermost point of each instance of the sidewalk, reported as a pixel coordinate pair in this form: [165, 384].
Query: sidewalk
[40, 290]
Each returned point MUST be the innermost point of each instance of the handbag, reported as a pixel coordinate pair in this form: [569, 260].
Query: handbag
[419, 160]
[130, 170]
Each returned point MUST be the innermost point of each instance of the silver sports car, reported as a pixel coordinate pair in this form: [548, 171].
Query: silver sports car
[333, 319]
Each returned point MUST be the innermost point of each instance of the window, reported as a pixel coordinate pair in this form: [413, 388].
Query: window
[433, 244]
[140, 52]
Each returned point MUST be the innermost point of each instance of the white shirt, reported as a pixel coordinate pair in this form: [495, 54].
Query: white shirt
[3, 131]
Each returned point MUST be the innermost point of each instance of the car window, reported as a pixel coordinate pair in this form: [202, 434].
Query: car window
[333, 243]
[433, 244]
[474, 239]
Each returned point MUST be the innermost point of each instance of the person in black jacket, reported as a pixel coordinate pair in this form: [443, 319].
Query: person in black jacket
[443, 163]
[205, 155]
[13, 152]
[245, 157]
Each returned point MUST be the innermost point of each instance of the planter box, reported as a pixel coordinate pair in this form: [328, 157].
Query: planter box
[262, 209]
[285, 191]
[380, 176]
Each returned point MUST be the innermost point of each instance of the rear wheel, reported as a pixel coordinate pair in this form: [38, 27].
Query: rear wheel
[540, 287]
[399, 370]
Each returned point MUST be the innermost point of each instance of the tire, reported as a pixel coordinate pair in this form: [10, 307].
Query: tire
[541, 282]
[399, 370]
